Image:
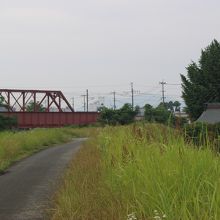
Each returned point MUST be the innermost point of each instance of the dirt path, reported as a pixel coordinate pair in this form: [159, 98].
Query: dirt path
[27, 186]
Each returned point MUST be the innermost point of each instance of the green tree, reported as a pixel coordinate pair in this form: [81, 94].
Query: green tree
[202, 83]
[124, 115]
[31, 106]
[171, 106]
[7, 122]
[149, 113]
[2, 100]
[127, 114]
[176, 106]
[163, 113]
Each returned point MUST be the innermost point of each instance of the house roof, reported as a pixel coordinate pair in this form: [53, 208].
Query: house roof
[211, 115]
[212, 105]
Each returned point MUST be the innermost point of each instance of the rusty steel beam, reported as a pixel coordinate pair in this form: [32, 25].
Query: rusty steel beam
[21, 99]
[28, 90]
[52, 119]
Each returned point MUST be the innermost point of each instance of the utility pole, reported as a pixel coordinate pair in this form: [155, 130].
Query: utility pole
[132, 95]
[163, 91]
[73, 104]
[114, 100]
[84, 102]
[87, 100]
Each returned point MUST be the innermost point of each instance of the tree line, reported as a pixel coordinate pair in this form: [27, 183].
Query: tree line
[163, 113]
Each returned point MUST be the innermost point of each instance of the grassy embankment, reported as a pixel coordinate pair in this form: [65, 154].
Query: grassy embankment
[140, 172]
[17, 145]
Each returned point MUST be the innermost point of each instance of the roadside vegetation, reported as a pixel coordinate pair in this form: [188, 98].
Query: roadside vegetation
[7, 122]
[145, 171]
[122, 116]
[164, 113]
[17, 145]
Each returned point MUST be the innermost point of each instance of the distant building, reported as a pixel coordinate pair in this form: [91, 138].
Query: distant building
[181, 114]
[211, 115]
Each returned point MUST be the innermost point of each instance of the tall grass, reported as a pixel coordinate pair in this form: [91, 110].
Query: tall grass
[143, 172]
[17, 145]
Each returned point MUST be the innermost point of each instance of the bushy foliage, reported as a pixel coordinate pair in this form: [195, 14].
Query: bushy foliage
[1, 100]
[7, 122]
[159, 114]
[171, 106]
[122, 116]
[164, 114]
[38, 107]
[202, 83]
[202, 134]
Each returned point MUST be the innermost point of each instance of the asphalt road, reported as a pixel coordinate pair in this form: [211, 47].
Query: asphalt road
[26, 188]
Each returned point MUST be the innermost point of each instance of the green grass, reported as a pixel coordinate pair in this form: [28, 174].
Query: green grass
[17, 145]
[146, 170]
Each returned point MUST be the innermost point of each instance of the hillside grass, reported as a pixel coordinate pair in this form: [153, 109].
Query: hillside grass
[140, 172]
[17, 145]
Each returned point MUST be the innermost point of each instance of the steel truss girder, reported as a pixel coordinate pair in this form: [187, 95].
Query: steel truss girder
[21, 98]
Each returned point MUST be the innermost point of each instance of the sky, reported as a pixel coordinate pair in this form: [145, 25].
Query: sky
[103, 45]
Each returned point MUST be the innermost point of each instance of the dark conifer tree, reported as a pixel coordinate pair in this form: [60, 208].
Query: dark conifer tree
[202, 83]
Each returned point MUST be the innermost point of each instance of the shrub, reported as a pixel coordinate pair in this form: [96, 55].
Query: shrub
[7, 122]
[122, 116]
[202, 134]
[159, 114]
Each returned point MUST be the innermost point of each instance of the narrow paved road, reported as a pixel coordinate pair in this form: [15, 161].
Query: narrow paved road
[27, 186]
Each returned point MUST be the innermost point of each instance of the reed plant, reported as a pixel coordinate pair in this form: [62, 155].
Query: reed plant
[143, 171]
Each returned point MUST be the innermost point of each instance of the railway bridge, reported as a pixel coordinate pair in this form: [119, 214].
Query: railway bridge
[42, 108]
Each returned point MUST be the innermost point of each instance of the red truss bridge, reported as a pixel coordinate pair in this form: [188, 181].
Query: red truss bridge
[42, 108]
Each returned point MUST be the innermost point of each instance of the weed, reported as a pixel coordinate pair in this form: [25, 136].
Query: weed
[145, 169]
[17, 145]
